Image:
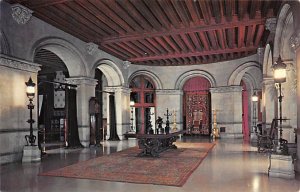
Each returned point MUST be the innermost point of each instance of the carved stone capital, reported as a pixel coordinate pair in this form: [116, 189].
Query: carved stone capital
[22, 65]
[21, 14]
[91, 48]
[295, 41]
[260, 51]
[126, 64]
[271, 24]
[226, 89]
[169, 92]
[82, 81]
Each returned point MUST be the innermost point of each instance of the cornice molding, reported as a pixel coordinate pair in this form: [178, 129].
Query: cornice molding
[118, 89]
[226, 89]
[21, 14]
[81, 81]
[168, 92]
[19, 64]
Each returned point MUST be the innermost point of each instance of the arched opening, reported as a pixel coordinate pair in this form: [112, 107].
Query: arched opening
[143, 96]
[55, 118]
[197, 106]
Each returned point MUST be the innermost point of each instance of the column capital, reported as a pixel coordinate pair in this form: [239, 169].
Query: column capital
[271, 24]
[169, 92]
[82, 81]
[268, 81]
[91, 48]
[21, 14]
[225, 89]
[295, 41]
[118, 89]
[19, 64]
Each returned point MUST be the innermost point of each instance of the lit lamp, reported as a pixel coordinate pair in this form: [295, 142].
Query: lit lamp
[254, 100]
[280, 77]
[30, 91]
[131, 119]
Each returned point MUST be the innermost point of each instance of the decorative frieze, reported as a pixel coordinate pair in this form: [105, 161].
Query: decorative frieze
[271, 24]
[81, 81]
[126, 64]
[169, 92]
[226, 89]
[21, 14]
[91, 48]
[22, 65]
[295, 41]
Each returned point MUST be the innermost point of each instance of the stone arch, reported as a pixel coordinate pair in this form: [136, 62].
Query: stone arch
[284, 30]
[67, 52]
[154, 78]
[111, 71]
[5, 48]
[194, 73]
[268, 62]
[252, 69]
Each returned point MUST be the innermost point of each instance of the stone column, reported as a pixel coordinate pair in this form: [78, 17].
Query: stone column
[85, 90]
[171, 99]
[227, 101]
[122, 102]
[269, 101]
[295, 44]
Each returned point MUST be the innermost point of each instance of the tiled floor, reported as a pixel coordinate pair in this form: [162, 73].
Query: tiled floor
[233, 166]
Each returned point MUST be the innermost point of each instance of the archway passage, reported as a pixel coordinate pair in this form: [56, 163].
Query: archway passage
[196, 106]
[143, 95]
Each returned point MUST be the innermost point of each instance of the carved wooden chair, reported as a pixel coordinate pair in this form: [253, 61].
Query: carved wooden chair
[267, 141]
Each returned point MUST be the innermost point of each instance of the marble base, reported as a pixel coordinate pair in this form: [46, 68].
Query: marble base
[31, 154]
[281, 166]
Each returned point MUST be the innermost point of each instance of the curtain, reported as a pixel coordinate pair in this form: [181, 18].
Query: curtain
[112, 119]
[71, 115]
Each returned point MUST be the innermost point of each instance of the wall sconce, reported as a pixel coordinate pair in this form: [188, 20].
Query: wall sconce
[131, 119]
[254, 100]
[30, 92]
[280, 77]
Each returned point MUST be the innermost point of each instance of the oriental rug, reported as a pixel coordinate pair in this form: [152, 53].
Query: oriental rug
[173, 167]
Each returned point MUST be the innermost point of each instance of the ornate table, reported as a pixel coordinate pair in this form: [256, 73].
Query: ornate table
[153, 144]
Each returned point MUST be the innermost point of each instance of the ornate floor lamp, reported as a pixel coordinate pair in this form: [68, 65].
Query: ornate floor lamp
[131, 118]
[280, 77]
[30, 91]
[254, 100]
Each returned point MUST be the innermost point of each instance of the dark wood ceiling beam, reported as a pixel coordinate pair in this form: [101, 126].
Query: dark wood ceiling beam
[178, 5]
[241, 36]
[259, 33]
[147, 14]
[180, 43]
[221, 39]
[65, 26]
[45, 3]
[113, 5]
[265, 8]
[113, 51]
[196, 41]
[230, 37]
[103, 18]
[135, 14]
[143, 47]
[200, 28]
[102, 7]
[150, 46]
[204, 41]
[79, 19]
[135, 48]
[131, 51]
[156, 45]
[229, 9]
[242, 8]
[171, 43]
[124, 49]
[216, 10]
[187, 42]
[170, 12]
[163, 44]
[193, 11]
[253, 8]
[190, 54]
[205, 11]
[158, 13]
[213, 39]
[250, 35]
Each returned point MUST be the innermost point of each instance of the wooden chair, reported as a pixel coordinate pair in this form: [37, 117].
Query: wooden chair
[267, 141]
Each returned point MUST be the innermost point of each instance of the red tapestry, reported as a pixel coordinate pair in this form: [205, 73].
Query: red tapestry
[197, 113]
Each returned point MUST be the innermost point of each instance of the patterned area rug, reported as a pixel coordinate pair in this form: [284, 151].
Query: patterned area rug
[173, 167]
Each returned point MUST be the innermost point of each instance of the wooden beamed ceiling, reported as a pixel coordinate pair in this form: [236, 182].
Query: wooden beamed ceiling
[163, 32]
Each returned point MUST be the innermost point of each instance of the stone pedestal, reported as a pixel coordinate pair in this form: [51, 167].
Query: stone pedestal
[31, 154]
[281, 166]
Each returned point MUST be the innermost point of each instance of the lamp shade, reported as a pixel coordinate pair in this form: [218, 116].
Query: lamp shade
[30, 90]
[131, 103]
[254, 97]
[279, 71]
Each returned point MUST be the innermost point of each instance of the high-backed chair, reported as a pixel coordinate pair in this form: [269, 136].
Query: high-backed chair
[267, 140]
